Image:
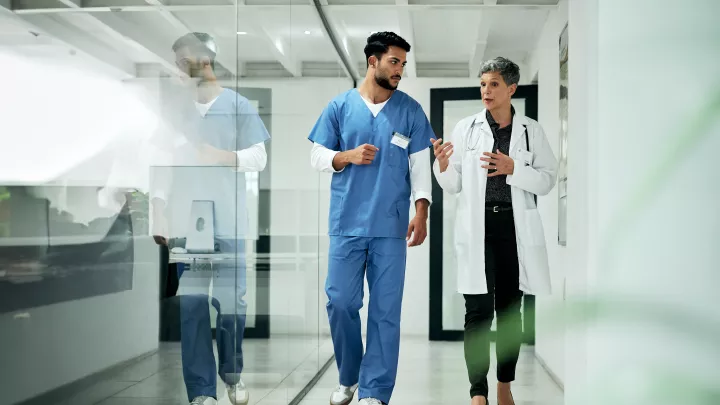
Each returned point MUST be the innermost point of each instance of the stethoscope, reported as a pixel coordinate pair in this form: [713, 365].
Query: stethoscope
[474, 146]
[468, 138]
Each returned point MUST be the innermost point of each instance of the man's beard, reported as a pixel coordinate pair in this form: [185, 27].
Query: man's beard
[384, 83]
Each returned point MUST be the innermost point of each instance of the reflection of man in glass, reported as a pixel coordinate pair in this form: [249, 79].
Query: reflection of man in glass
[219, 139]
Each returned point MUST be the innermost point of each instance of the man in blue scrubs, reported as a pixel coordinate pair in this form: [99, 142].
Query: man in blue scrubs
[375, 140]
[222, 137]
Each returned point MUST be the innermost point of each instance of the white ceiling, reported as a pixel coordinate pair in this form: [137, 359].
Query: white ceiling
[271, 38]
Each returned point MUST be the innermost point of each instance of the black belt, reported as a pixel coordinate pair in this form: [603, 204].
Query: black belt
[498, 208]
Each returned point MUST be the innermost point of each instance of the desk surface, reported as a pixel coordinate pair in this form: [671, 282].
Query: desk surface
[200, 257]
[253, 258]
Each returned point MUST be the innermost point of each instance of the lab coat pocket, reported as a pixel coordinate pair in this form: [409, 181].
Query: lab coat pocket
[534, 228]
[527, 158]
[535, 271]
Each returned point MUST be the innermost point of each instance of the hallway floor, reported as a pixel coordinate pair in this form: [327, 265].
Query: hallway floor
[429, 373]
[275, 370]
[434, 373]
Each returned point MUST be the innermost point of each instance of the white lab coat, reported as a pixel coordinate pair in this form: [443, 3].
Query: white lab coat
[466, 178]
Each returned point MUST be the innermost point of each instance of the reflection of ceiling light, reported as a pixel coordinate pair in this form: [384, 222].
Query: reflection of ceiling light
[242, 33]
[307, 32]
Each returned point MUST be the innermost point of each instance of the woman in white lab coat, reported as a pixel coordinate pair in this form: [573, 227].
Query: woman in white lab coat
[496, 163]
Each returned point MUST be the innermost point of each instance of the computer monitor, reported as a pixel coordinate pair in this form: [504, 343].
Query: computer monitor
[201, 228]
[193, 192]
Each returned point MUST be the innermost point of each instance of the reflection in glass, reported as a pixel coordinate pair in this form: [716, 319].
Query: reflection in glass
[124, 142]
[199, 213]
[58, 244]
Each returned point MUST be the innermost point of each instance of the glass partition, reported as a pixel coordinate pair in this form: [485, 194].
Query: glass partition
[162, 233]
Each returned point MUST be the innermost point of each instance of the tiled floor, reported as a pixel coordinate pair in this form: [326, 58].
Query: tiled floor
[435, 373]
[277, 369]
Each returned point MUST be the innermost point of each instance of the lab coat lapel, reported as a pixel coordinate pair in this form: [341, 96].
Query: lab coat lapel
[518, 132]
[470, 231]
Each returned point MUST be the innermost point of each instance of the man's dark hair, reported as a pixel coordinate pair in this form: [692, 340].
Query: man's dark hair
[199, 43]
[379, 42]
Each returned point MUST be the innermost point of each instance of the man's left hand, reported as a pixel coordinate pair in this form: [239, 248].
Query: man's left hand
[417, 231]
[502, 163]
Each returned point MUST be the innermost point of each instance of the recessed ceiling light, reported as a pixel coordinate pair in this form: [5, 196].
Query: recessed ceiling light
[307, 32]
[242, 33]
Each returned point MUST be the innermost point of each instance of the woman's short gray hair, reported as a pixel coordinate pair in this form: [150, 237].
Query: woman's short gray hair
[508, 69]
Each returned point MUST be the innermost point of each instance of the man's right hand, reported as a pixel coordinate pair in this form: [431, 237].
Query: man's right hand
[362, 155]
[160, 229]
[160, 240]
[443, 151]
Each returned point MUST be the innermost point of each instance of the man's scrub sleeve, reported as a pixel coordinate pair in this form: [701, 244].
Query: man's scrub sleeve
[421, 132]
[251, 129]
[326, 130]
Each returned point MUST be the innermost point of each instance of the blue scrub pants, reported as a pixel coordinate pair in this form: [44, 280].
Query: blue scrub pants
[229, 288]
[384, 259]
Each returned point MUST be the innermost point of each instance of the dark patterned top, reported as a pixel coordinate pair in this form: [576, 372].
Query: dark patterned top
[498, 191]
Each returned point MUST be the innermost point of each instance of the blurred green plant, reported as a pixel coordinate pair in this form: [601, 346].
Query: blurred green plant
[4, 227]
[4, 193]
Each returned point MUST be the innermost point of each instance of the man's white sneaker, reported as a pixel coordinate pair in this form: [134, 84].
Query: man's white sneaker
[343, 395]
[370, 401]
[203, 401]
[238, 393]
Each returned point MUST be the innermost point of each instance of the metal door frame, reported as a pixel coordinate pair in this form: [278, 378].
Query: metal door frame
[437, 102]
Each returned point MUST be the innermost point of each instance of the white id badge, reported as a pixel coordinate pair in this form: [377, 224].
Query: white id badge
[400, 140]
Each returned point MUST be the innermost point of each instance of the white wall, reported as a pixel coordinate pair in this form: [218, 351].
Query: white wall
[550, 323]
[645, 97]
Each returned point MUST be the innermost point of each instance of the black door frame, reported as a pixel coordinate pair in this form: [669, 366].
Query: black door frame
[437, 103]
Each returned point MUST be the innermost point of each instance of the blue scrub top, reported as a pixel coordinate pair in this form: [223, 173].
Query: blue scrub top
[372, 200]
[231, 124]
